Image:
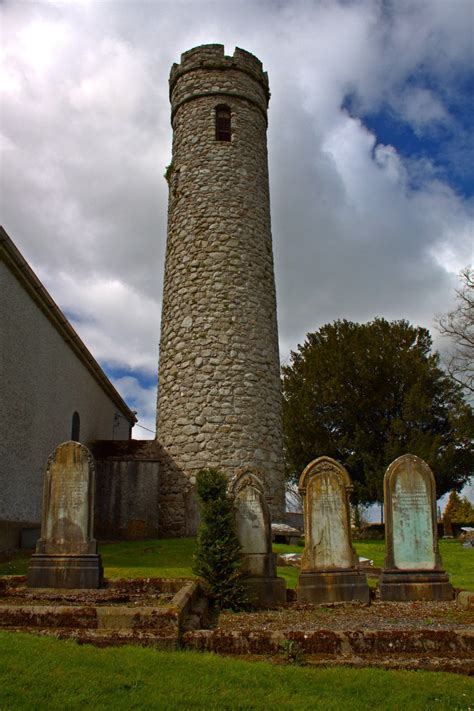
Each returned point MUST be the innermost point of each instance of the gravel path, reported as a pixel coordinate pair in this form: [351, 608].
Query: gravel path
[343, 616]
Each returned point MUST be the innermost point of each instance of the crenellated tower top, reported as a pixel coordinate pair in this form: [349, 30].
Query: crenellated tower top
[204, 71]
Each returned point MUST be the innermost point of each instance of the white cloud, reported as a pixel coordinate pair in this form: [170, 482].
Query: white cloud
[358, 230]
[130, 337]
[422, 109]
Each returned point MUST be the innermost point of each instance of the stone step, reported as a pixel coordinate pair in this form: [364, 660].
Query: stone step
[107, 638]
[339, 643]
[431, 662]
[90, 617]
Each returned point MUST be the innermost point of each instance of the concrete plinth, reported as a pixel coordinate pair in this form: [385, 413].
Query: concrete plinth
[407, 585]
[332, 586]
[65, 571]
[265, 592]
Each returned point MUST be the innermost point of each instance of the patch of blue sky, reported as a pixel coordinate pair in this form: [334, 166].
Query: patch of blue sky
[447, 143]
[145, 380]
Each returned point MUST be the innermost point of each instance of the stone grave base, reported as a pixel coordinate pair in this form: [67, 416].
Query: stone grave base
[265, 592]
[147, 611]
[65, 571]
[332, 586]
[406, 585]
[259, 565]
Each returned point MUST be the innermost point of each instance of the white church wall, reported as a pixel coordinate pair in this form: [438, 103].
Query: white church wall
[43, 381]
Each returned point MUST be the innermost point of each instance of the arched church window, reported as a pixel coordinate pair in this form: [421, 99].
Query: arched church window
[223, 124]
[76, 426]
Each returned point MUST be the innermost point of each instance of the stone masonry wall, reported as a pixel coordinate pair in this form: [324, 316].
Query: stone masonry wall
[219, 401]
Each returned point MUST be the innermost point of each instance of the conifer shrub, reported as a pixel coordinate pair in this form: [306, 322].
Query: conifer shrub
[459, 510]
[218, 559]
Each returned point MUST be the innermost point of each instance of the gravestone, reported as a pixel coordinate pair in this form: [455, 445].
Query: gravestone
[253, 524]
[329, 565]
[66, 554]
[413, 568]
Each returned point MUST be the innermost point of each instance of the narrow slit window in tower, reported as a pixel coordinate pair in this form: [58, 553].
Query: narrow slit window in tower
[76, 426]
[223, 128]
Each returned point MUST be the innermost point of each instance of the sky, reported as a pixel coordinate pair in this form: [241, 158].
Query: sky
[370, 158]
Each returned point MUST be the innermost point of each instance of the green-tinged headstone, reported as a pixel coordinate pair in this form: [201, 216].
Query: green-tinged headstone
[412, 523]
[413, 568]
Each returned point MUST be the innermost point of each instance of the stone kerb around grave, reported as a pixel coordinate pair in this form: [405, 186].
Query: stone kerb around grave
[253, 524]
[328, 568]
[413, 567]
[66, 554]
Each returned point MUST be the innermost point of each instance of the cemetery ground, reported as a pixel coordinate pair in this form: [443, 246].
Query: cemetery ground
[42, 672]
[173, 558]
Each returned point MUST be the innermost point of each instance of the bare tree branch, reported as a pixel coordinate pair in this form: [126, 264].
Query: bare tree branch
[458, 325]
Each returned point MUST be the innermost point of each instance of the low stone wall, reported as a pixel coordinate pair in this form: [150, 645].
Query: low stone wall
[127, 490]
[147, 611]
[140, 492]
[333, 642]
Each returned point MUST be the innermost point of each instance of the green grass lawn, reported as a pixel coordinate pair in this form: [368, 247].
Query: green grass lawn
[44, 673]
[40, 673]
[164, 558]
[158, 558]
[172, 558]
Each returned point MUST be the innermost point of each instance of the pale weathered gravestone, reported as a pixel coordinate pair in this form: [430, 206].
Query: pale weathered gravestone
[66, 554]
[329, 565]
[413, 568]
[253, 523]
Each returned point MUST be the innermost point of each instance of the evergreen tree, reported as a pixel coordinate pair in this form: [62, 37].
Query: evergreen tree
[459, 510]
[365, 394]
[466, 514]
[453, 507]
[218, 557]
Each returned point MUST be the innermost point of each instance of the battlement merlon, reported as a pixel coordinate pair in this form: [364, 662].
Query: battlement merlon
[211, 56]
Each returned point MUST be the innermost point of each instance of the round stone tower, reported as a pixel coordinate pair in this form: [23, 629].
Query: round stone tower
[219, 399]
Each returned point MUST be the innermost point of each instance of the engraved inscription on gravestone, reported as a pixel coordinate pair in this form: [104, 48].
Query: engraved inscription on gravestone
[67, 519]
[251, 526]
[412, 524]
[329, 544]
[328, 536]
[68, 498]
